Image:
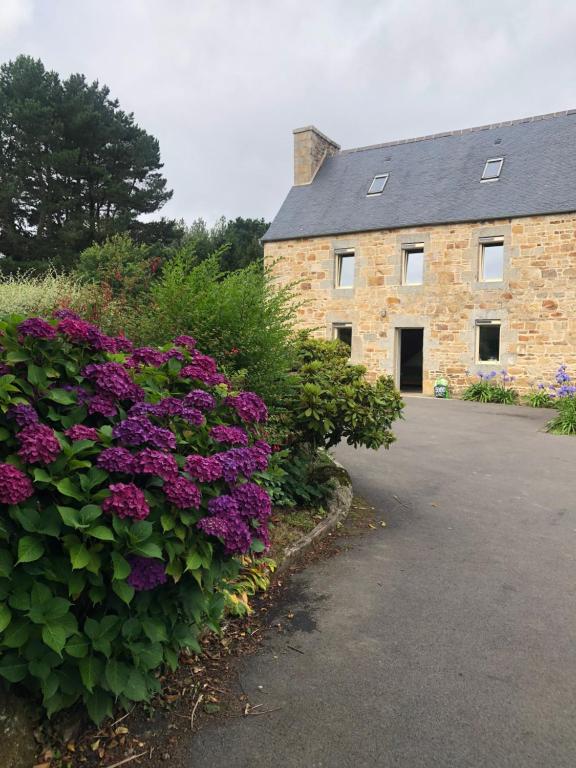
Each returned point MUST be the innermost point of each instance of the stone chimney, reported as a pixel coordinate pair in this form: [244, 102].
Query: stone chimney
[310, 149]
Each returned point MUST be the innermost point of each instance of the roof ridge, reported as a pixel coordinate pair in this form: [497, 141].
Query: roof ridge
[462, 131]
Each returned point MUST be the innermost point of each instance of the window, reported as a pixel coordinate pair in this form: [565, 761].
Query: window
[345, 269]
[487, 341]
[491, 262]
[343, 332]
[413, 265]
[378, 184]
[492, 169]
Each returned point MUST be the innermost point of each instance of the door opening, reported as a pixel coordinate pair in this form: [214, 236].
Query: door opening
[411, 342]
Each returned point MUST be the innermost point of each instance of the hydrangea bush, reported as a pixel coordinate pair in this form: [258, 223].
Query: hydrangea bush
[127, 492]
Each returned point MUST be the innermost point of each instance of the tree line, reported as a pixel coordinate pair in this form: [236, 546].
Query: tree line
[75, 170]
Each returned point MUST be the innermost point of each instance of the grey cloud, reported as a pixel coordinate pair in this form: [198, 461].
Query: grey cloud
[221, 83]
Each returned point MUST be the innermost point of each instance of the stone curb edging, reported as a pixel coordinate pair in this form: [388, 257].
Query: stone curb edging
[339, 504]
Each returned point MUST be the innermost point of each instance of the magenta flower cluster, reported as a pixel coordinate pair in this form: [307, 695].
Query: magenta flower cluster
[206, 469]
[38, 444]
[113, 380]
[126, 500]
[249, 407]
[15, 486]
[182, 493]
[81, 432]
[203, 368]
[145, 573]
[239, 517]
[37, 328]
[230, 435]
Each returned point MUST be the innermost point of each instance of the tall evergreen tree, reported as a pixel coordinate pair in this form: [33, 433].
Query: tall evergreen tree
[74, 167]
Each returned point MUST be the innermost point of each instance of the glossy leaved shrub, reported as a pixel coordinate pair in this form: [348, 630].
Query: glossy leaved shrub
[126, 495]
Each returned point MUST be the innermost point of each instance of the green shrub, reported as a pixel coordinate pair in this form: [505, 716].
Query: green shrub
[123, 267]
[492, 388]
[123, 509]
[239, 318]
[28, 294]
[564, 423]
[333, 401]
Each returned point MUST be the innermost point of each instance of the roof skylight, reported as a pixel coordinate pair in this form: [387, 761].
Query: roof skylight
[378, 184]
[492, 169]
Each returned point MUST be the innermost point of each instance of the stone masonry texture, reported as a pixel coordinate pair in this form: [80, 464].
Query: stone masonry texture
[535, 302]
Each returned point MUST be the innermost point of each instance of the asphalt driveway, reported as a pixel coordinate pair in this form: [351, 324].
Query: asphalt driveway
[447, 638]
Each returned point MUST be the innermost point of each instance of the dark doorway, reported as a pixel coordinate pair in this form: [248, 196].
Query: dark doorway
[411, 348]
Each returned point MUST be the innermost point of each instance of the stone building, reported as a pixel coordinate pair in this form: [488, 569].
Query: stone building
[440, 255]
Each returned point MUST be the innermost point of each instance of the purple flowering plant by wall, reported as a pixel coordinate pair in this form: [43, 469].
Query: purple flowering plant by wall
[130, 489]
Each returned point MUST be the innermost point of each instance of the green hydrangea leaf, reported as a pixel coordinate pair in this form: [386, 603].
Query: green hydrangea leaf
[5, 616]
[54, 636]
[30, 548]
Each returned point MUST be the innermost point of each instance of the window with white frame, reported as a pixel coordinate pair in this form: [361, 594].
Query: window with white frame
[378, 184]
[413, 265]
[491, 261]
[492, 169]
[487, 341]
[345, 269]
[343, 332]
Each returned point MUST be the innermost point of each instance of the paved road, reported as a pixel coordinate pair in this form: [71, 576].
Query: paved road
[448, 638]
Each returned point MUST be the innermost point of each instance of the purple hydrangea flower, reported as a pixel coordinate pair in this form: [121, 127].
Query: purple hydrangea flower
[232, 531]
[102, 405]
[80, 432]
[142, 409]
[4, 369]
[158, 463]
[37, 328]
[253, 501]
[203, 368]
[112, 380]
[242, 461]
[15, 486]
[230, 435]
[206, 469]
[223, 506]
[182, 493]
[174, 406]
[126, 500]
[185, 341]
[163, 439]
[116, 460]
[82, 332]
[145, 573]
[145, 356]
[249, 407]
[204, 401]
[138, 430]
[38, 444]
[23, 414]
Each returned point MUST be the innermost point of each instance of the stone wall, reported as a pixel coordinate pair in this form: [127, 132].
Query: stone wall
[535, 302]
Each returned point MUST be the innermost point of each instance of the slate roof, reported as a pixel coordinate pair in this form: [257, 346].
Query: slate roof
[436, 180]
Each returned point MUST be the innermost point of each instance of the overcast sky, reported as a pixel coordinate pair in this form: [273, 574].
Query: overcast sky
[222, 83]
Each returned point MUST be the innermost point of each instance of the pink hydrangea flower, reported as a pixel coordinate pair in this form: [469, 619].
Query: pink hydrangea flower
[15, 486]
[151, 462]
[80, 432]
[206, 469]
[231, 435]
[249, 407]
[38, 444]
[126, 500]
[182, 493]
